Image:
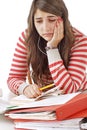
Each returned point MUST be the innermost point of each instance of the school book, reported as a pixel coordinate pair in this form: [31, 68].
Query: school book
[72, 123]
[44, 115]
[48, 129]
[74, 108]
[20, 129]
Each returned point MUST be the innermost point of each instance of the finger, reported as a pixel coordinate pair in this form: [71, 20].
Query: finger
[27, 92]
[61, 29]
[30, 92]
[33, 91]
[36, 89]
[56, 29]
[61, 26]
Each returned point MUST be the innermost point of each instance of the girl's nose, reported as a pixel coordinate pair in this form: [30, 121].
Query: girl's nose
[46, 26]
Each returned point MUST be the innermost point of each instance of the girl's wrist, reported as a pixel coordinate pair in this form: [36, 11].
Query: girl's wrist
[49, 47]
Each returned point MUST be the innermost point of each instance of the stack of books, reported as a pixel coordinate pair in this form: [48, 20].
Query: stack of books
[51, 110]
[60, 112]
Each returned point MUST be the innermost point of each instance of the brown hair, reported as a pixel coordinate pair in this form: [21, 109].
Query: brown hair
[37, 59]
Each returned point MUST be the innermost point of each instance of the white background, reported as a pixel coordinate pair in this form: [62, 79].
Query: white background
[13, 20]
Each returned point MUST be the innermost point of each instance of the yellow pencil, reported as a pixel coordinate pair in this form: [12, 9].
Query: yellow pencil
[48, 86]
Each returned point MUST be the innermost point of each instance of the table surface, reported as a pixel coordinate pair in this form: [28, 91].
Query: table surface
[6, 124]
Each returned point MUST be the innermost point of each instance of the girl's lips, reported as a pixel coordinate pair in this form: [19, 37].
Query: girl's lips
[47, 34]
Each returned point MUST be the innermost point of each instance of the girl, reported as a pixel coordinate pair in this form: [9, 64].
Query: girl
[54, 50]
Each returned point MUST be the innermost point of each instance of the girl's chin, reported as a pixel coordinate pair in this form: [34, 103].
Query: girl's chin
[47, 38]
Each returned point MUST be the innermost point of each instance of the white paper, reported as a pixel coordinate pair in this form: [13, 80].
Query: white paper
[35, 116]
[3, 105]
[52, 100]
[71, 124]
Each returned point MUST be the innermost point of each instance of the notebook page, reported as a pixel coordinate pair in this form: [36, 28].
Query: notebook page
[52, 100]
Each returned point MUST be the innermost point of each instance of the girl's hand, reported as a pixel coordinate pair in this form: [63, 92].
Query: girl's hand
[58, 34]
[32, 91]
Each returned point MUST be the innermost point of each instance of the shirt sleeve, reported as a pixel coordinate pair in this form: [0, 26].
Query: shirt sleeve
[73, 78]
[18, 71]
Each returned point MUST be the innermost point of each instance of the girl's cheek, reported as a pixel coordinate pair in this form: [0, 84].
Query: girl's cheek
[55, 24]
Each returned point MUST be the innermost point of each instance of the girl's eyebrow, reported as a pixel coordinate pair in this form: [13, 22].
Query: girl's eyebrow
[51, 16]
[37, 18]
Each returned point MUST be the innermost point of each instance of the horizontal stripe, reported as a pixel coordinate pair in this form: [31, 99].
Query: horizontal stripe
[71, 79]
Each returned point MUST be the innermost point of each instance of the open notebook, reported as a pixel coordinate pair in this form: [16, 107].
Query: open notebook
[21, 99]
[24, 102]
[50, 97]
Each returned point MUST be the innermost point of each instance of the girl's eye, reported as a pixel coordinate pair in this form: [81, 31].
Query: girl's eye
[39, 21]
[52, 20]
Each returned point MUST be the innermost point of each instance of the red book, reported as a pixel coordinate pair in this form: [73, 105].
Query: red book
[21, 129]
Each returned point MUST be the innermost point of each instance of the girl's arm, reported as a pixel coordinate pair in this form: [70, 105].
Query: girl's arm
[74, 78]
[17, 76]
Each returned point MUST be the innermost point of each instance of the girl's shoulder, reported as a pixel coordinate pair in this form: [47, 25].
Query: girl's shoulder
[79, 36]
[80, 39]
[24, 33]
[21, 42]
[76, 32]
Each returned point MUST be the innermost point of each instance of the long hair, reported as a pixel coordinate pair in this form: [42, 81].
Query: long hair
[36, 58]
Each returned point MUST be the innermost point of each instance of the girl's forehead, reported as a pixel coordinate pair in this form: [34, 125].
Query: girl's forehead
[40, 13]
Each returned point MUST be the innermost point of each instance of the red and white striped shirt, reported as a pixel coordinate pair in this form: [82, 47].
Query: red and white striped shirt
[71, 80]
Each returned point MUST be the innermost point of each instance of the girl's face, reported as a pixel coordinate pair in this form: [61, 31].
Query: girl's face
[45, 24]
